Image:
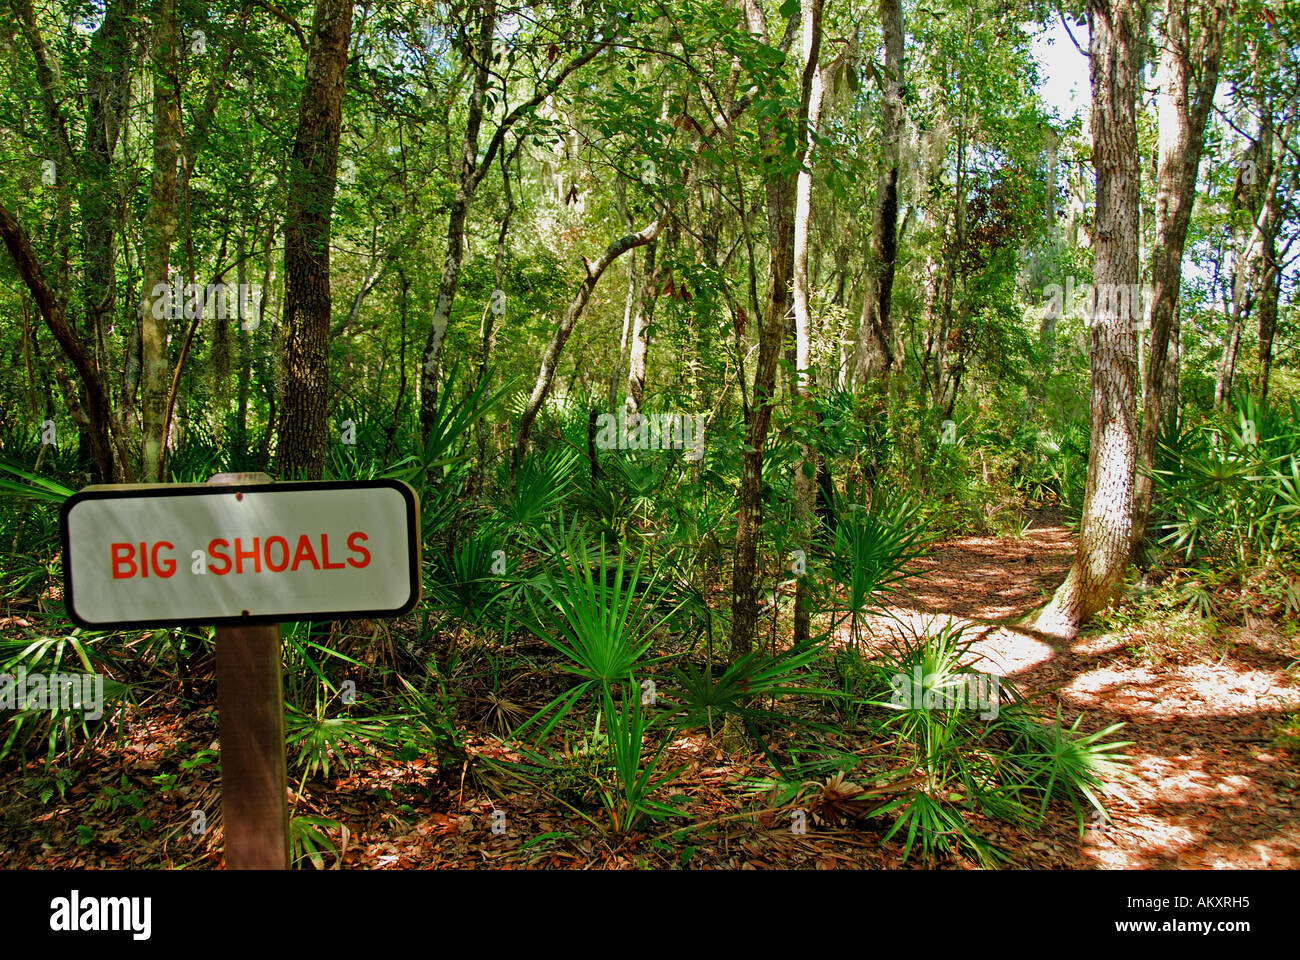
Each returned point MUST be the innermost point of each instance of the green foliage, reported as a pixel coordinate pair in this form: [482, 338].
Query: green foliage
[874, 541]
[1228, 491]
[639, 776]
[309, 841]
[995, 756]
[604, 626]
[741, 688]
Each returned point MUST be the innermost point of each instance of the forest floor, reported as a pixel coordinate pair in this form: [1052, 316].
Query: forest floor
[1210, 790]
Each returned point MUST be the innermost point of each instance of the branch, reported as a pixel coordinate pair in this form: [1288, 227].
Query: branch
[45, 80]
[542, 92]
[29, 268]
[284, 18]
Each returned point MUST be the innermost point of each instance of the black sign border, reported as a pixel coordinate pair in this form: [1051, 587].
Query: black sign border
[409, 497]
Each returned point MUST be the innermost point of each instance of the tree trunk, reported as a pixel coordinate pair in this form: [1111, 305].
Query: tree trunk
[451, 264]
[106, 92]
[874, 353]
[551, 356]
[780, 190]
[160, 225]
[643, 315]
[806, 469]
[94, 415]
[1106, 528]
[304, 420]
[472, 171]
[1182, 117]
[1267, 319]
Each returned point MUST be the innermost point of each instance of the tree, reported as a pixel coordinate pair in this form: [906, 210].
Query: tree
[779, 185]
[304, 424]
[160, 224]
[1189, 71]
[874, 354]
[806, 469]
[471, 173]
[1106, 527]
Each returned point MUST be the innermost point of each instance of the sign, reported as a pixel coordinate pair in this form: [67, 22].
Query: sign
[138, 555]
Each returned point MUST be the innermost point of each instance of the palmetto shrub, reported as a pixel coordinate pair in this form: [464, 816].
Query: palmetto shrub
[1228, 491]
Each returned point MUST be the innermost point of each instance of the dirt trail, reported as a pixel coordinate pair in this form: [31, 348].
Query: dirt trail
[1210, 789]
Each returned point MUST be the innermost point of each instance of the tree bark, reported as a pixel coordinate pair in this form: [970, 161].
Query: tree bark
[806, 469]
[106, 94]
[1106, 527]
[304, 426]
[160, 225]
[780, 190]
[642, 316]
[874, 353]
[1182, 117]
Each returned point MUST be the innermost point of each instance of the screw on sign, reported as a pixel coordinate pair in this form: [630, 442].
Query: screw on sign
[242, 554]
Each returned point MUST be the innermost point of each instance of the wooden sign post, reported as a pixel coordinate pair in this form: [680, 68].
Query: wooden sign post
[254, 778]
[242, 554]
[250, 723]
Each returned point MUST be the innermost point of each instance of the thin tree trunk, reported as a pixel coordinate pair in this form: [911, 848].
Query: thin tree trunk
[460, 202]
[780, 191]
[160, 225]
[806, 469]
[94, 414]
[108, 77]
[642, 316]
[241, 341]
[551, 357]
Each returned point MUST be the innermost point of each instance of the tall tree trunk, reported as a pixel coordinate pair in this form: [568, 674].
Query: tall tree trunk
[487, 324]
[1182, 117]
[1268, 317]
[1047, 328]
[1270, 269]
[160, 225]
[1106, 528]
[460, 202]
[806, 469]
[304, 420]
[780, 190]
[1173, 364]
[630, 297]
[874, 353]
[106, 93]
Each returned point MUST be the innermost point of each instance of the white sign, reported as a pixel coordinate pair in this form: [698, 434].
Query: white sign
[153, 555]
